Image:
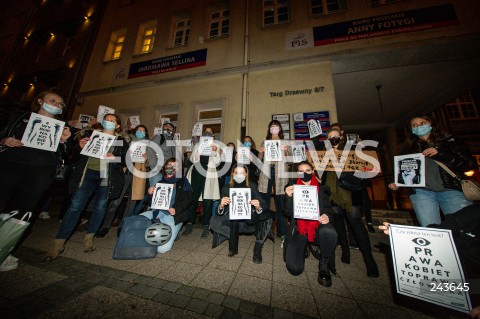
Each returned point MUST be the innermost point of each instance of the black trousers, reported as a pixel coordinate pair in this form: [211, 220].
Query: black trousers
[22, 186]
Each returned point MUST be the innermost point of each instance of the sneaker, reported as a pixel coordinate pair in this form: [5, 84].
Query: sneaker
[10, 263]
[283, 240]
[44, 215]
[205, 232]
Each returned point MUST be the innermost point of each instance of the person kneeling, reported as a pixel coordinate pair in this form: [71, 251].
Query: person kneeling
[318, 232]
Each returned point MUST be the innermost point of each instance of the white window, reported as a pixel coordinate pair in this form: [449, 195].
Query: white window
[321, 7]
[461, 108]
[115, 46]
[219, 25]
[181, 30]
[146, 37]
[210, 113]
[166, 113]
[275, 12]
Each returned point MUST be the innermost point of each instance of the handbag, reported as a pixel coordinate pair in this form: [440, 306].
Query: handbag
[11, 230]
[470, 189]
[350, 182]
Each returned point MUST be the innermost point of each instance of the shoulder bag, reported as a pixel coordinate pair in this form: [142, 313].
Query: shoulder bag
[471, 189]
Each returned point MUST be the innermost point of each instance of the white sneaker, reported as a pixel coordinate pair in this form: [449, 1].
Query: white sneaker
[10, 263]
[44, 215]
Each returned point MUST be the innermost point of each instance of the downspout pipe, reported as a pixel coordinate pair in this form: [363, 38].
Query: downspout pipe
[246, 62]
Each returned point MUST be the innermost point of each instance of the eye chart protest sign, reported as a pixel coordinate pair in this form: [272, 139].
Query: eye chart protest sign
[427, 266]
[314, 128]
[243, 155]
[162, 196]
[197, 129]
[239, 207]
[298, 152]
[134, 121]
[205, 145]
[305, 202]
[410, 170]
[43, 132]
[137, 151]
[227, 155]
[98, 145]
[273, 152]
[84, 120]
[102, 111]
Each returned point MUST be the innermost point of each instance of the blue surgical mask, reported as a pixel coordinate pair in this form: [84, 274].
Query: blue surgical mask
[422, 130]
[108, 126]
[50, 109]
[207, 134]
[247, 144]
[140, 134]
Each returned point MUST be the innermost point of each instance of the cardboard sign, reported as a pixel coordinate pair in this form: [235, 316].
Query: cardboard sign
[305, 202]
[314, 128]
[102, 111]
[98, 145]
[427, 266]
[243, 155]
[197, 129]
[352, 162]
[227, 155]
[162, 196]
[239, 207]
[43, 133]
[84, 120]
[134, 121]
[273, 153]
[299, 154]
[205, 145]
[410, 170]
[137, 151]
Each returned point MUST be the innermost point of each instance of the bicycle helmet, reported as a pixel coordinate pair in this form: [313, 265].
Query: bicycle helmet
[158, 234]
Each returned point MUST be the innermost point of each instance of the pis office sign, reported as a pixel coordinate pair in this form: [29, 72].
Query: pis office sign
[299, 39]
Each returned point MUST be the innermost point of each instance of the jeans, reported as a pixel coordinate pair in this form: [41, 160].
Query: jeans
[426, 204]
[91, 184]
[166, 219]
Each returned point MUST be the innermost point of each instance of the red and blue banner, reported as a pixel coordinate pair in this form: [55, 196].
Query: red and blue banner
[168, 64]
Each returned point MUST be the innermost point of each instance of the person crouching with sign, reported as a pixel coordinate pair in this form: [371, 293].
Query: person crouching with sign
[318, 232]
[261, 219]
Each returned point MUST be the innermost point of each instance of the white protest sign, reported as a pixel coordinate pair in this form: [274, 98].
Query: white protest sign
[243, 155]
[98, 145]
[427, 267]
[353, 138]
[305, 202]
[157, 130]
[188, 147]
[205, 145]
[227, 155]
[410, 170]
[176, 137]
[272, 151]
[162, 196]
[314, 128]
[84, 120]
[197, 129]
[239, 207]
[102, 111]
[137, 151]
[43, 132]
[134, 121]
[299, 154]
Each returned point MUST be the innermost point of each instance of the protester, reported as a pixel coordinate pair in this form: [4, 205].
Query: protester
[424, 135]
[87, 175]
[318, 232]
[253, 170]
[167, 147]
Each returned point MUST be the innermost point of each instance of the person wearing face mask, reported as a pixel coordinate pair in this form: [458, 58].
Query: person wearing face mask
[260, 223]
[276, 181]
[21, 166]
[442, 191]
[253, 171]
[89, 178]
[133, 188]
[345, 211]
[163, 140]
[319, 232]
[205, 183]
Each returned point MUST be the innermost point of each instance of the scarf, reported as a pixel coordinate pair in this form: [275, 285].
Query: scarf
[307, 227]
[173, 180]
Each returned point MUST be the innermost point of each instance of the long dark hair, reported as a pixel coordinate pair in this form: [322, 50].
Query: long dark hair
[280, 133]
[144, 127]
[414, 143]
[117, 119]
[254, 146]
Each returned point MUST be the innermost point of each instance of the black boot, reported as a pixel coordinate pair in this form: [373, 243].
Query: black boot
[102, 232]
[324, 277]
[257, 253]
[331, 264]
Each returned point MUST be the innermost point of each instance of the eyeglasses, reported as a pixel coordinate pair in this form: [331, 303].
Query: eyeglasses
[55, 102]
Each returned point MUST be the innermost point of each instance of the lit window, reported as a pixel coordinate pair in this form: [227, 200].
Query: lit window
[321, 7]
[147, 40]
[181, 31]
[275, 12]
[219, 23]
[115, 46]
[462, 107]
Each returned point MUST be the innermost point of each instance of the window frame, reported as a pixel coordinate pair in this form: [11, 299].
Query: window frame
[458, 102]
[185, 17]
[142, 36]
[219, 20]
[324, 6]
[113, 44]
[275, 8]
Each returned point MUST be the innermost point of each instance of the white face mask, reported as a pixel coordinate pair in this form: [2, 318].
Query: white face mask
[239, 178]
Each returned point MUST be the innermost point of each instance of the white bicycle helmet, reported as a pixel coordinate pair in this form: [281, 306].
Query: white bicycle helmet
[158, 234]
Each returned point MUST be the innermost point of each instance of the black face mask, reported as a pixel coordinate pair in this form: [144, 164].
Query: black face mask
[306, 177]
[334, 140]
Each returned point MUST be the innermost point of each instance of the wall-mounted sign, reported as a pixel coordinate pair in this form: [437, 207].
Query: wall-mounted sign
[284, 120]
[168, 64]
[294, 92]
[300, 124]
[299, 39]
